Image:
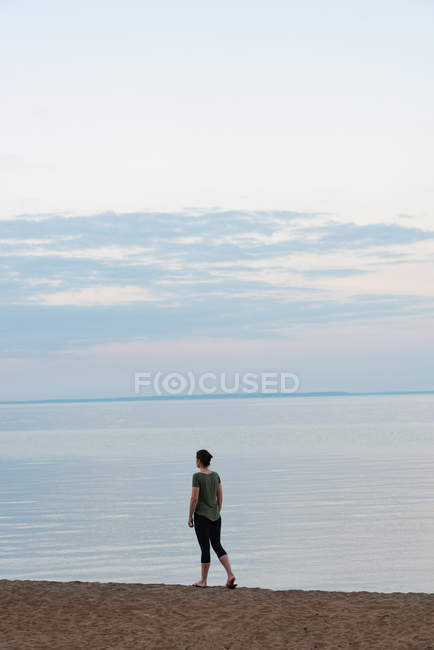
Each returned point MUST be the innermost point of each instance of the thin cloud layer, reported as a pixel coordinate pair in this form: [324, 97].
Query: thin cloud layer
[69, 281]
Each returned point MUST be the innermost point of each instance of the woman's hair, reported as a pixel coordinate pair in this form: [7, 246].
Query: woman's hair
[204, 456]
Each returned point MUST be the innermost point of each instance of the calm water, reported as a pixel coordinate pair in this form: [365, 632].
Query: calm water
[319, 493]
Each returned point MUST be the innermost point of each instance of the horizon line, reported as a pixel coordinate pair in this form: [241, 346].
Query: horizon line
[164, 398]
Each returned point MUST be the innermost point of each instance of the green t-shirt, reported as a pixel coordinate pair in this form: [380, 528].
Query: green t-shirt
[208, 485]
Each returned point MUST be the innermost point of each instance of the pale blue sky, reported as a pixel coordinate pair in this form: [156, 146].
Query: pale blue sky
[320, 106]
[236, 184]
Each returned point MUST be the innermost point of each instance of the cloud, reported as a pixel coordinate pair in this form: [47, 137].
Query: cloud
[98, 295]
[108, 277]
[333, 272]
[371, 235]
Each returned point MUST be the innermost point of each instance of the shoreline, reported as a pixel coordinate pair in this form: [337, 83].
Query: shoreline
[209, 396]
[71, 615]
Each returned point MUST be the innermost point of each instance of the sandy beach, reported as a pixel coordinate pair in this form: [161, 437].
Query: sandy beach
[43, 615]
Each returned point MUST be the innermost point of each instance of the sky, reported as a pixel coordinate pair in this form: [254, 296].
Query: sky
[215, 187]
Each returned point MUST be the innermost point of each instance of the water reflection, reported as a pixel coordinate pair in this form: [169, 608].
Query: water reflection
[342, 505]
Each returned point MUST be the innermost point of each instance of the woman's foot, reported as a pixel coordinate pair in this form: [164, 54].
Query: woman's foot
[200, 583]
[230, 584]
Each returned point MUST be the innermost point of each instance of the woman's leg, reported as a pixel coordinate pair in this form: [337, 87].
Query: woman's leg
[204, 568]
[224, 559]
[215, 531]
[201, 526]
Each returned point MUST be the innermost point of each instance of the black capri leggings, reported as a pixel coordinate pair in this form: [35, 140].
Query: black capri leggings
[208, 531]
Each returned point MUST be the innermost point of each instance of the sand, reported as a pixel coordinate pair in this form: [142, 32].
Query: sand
[54, 615]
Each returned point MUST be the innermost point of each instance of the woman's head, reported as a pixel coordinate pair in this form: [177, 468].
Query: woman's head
[203, 457]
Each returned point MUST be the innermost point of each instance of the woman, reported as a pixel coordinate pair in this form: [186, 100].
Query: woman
[206, 504]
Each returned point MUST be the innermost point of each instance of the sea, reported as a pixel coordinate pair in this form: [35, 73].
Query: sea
[323, 492]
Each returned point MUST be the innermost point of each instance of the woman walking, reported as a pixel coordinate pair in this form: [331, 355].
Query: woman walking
[206, 504]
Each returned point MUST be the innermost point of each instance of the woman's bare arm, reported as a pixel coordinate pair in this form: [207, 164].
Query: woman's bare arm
[220, 496]
[193, 503]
